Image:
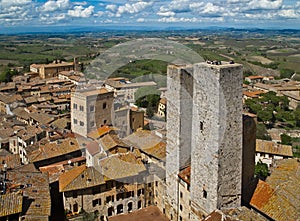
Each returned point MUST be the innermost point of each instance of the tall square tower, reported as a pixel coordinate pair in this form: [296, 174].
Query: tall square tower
[216, 163]
[179, 126]
[91, 109]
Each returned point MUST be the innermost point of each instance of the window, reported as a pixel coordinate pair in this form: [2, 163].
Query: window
[81, 108]
[104, 105]
[139, 204]
[92, 108]
[180, 207]
[92, 123]
[75, 121]
[120, 209]
[140, 192]
[75, 106]
[95, 202]
[156, 183]
[105, 121]
[181, 194]
[129, 205]
[201, 126]
[204, 193]
[81, 123]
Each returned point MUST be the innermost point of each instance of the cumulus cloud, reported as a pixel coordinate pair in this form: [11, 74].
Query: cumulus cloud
[210, 8]
[140, 20]
[15, 12]
[8, 3]
[52, 5]
[288, 13]
[111, 7]
[166, 14]
[132, 8]
[177, 6]
[265, 4]
[81, 12]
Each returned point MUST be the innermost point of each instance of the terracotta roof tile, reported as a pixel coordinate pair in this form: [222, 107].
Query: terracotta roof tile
[264, 146]
[121, 166]
[278, 197]
[185, 174]
[54, 149]
[10, 203]
[93, 148]
[100, 132]
[81, 177]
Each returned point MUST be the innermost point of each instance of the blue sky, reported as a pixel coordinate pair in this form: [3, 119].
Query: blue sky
[33, 14]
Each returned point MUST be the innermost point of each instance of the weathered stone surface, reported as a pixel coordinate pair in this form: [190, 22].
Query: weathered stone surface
[216, 164]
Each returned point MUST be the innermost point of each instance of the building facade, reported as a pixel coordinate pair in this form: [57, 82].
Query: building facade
[91, 110]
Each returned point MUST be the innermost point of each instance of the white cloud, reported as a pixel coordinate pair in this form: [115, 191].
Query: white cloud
[289, 13]
[111, 7]
[99, 14]
[8, 3]
[81, 12]
[80, 3]
[210, 8]
[177, 6]
[173, 19]
[237, 1]
[52, 5]
[15, 12]
[265, 4]
[132, 8]
[166, 14]
[140, 20]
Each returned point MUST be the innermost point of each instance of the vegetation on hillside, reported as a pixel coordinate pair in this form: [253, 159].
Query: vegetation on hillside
[148, 97]
[271, 110]
[7, 74]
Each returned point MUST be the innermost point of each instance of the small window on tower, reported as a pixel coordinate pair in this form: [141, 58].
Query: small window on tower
[205, 194]
[201, 126]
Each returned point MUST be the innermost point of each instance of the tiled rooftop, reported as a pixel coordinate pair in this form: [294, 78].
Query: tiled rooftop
[54, 149]
[36, 192]
[185, 174]
[270, 147]
[278, 197]
[100, 132]
[81, 177]
[10, 203]
[147, 142]
[121, 166]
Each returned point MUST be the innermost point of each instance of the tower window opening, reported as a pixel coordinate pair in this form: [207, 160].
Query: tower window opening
[201, 126]
[204, 194]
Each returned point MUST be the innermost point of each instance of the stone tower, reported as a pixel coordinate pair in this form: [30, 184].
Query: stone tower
[216, 153]
[179, 126]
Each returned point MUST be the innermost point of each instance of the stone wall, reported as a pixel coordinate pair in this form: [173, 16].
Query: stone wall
[216, 165]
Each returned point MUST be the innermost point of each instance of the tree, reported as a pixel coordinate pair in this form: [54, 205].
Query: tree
[286, 139]
[261, 132]
[261, 170]
[6, 75]
[286, 73]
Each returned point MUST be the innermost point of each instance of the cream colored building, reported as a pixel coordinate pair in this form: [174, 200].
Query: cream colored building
[90, 110]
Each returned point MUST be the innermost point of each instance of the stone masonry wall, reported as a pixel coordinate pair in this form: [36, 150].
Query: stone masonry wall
[216, 164]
